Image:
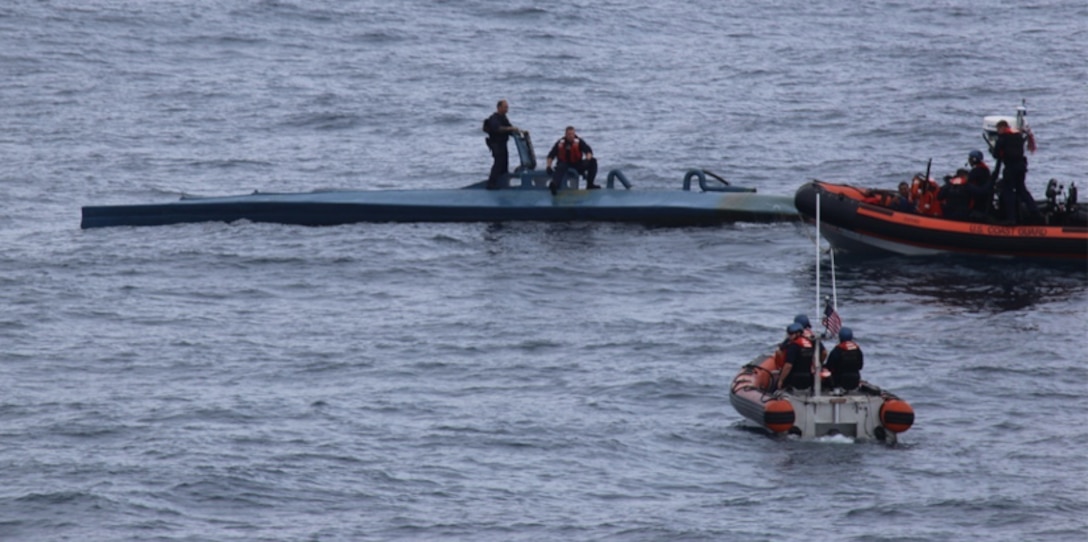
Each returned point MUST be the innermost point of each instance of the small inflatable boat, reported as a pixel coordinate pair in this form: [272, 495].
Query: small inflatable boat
[828, 406]
[866, 413]
[873, 220]
[853, 224]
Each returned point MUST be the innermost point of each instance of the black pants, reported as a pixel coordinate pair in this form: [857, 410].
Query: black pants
[500, 167]
[799, 381]
[588, 168]
[846, 381]
[1014, 193]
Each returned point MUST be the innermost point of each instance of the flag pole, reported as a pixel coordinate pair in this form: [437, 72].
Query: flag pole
[834, 291]
[816, 348]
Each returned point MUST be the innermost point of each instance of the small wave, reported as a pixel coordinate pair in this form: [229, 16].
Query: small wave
[231, 164]
[323, 121]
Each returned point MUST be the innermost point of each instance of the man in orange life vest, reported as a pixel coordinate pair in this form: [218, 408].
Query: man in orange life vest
[1009, 151]
[797, 371]
[809, 334]
[845, 362]
[572, 153]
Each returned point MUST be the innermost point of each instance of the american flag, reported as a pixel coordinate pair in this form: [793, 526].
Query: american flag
[832, 322]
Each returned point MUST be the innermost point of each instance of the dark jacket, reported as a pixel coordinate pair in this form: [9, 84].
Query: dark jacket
[845, 363]
[494, 127]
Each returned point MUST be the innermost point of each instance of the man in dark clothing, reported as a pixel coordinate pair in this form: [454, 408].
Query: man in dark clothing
[981, 186]
[572, 153]
[955, 196]
[810, 335]
[845, 362]
[1009, 151]
[498, 129]
[902, 202]
[797, 371]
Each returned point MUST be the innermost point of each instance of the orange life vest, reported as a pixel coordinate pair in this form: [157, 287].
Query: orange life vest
[807, 350]
[924, 194]
[572, 153]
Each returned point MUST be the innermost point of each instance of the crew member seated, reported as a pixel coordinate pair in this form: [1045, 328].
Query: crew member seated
[955, 196]
[981, 186]
[797, 370]
[845, 362]
[811, 335]
[572, 153]
[923, 192]
[902, 202]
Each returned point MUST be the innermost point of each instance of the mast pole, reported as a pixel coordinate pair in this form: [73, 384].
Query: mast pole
[834, 291]
[816, 347]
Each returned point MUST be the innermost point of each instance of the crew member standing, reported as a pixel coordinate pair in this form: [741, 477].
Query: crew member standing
[1009, 151]
[498, 129]
[573, 153]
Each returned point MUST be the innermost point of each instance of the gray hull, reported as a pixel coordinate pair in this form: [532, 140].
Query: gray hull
[681, 207]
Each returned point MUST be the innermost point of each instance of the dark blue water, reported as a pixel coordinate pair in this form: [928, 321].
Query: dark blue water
[520, 381]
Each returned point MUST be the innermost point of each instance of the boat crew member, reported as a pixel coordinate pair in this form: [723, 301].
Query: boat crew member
[498, 130]
[1008, 150]
[797, 371]
[845, 362]
[955, 196]
[572, 152]
[978, 179]
[923, 192]
[902, 201]
[809, 334]
[780, 351]
[899, 201]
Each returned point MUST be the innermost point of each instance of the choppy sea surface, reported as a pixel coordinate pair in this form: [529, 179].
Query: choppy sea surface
[260, 382]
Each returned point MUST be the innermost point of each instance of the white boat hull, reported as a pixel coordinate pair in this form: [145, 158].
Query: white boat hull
[867, 413]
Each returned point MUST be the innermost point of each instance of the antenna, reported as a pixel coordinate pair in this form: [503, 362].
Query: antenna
[816, 384]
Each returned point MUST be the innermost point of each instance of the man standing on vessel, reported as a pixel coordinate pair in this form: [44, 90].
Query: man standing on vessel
[498, 129]
[1009, 151]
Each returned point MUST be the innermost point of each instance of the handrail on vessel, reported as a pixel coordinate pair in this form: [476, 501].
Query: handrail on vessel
[706, 187]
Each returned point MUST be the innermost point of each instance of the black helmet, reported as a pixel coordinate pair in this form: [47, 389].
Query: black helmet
[802, 319]
[974, 157]
[846, 334]
[794, 328]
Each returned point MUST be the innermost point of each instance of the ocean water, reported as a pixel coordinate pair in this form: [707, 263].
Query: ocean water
[516, 381]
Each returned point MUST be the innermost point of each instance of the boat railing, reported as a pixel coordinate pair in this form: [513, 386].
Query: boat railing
[721, 186]
[539, 179]
[617, 175]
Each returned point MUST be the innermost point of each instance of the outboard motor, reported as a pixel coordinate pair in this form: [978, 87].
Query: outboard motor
[1054, 208]
[1053, 190]
[1062, 212]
